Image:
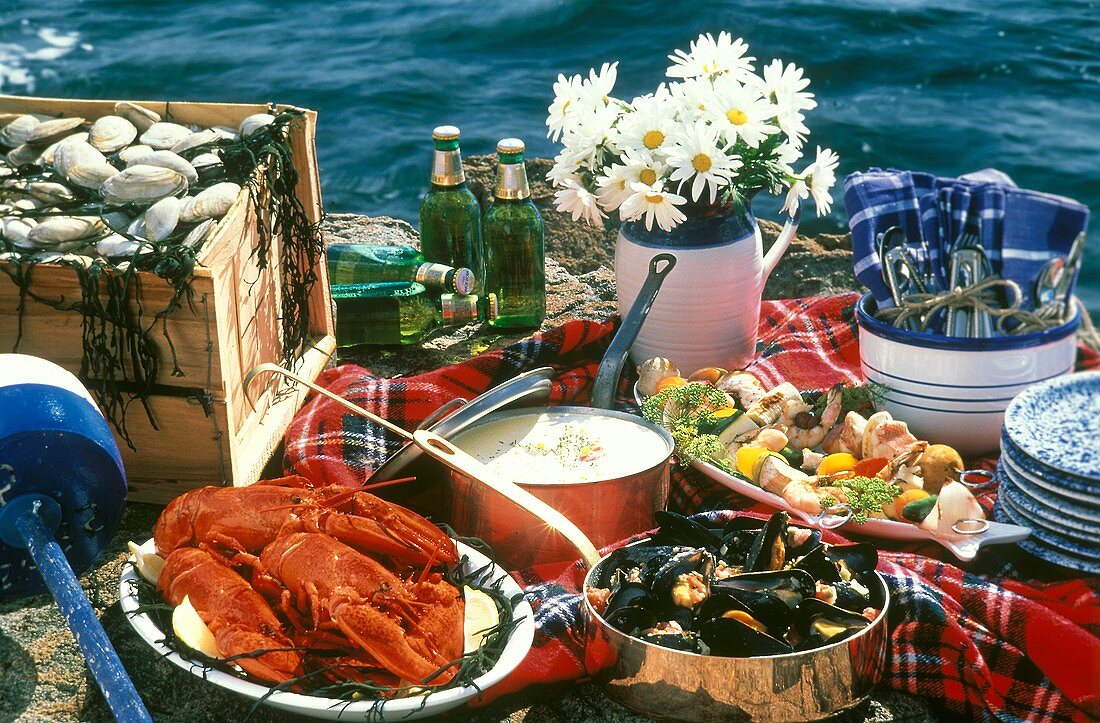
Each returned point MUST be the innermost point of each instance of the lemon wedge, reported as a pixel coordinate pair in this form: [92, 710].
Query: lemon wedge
[192, 631]
[148, 564]
[481, 615]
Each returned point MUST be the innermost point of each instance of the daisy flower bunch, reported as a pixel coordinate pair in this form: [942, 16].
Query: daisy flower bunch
[714, 133]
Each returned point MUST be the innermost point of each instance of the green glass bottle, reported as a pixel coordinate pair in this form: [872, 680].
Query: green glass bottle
[374, 263]
[450, 216]
[515, 272]
[395, 312]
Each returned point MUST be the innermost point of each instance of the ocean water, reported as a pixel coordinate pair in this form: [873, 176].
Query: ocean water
[943, 87]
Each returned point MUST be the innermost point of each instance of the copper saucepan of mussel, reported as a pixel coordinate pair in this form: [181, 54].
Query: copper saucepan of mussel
[748, 620]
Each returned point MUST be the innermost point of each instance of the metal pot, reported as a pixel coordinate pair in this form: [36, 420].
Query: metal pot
[663, 683]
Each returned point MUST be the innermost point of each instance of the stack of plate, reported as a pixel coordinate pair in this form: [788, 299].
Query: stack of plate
[1050, 470]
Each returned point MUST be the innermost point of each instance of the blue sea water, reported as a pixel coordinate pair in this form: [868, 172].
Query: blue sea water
[944, 87]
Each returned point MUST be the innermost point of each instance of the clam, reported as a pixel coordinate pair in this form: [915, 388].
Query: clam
[46, 157]
[16, 231]
[116, 220]
[142, 184]
[160, 219]
[82, 164]
[199, 235]
[205, 159]
[162, 136]
[165, 159]
[652, 371]
[49, 191]
[54, 130]
[227, 133]
[128, 154]
[22, 155]
[113, 245]
[111, 132]
[254, 122]
[46, 257]
[63, 229]
[214, 202]
[199, 138]
[16, 132]
[26, 204]
[141, 117]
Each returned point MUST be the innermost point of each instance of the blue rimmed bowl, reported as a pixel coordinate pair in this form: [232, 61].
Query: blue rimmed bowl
[954, 390]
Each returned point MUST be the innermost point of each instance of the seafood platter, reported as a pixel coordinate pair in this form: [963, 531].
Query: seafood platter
[324, 602]
[750, 620]
[816, 456]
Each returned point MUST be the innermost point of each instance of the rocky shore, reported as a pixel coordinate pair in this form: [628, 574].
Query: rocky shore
[42, 674]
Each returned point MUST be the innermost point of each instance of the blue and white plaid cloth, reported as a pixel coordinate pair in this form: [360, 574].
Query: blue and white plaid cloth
[1021, 229]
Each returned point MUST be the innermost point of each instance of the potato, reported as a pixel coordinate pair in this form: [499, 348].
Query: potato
[938, 464]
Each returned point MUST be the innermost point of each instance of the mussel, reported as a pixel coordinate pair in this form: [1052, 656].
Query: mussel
[769, 549]
[819, 623]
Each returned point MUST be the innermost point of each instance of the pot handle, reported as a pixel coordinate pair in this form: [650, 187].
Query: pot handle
[611, 366]
[442, 450]
[782, 242]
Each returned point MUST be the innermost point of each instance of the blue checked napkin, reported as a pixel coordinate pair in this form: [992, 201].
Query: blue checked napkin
[1021, 229]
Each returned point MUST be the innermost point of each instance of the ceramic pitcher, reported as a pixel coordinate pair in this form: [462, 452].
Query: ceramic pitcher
[708, 310]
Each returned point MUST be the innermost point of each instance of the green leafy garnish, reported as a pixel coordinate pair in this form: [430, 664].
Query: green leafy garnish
[864, 494]
[691, 406]
[865, 399]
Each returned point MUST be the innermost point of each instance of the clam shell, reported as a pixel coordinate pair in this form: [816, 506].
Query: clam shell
[111, 132]
[20, 155]
[17, 131]
[58, 230]
[46, 157]
[16, 231]
[54, 130]
[82, 164]
[200, 234]
[26, 204]
[229, 134]
[205, 159]
[166, 159]
[141, 117]
[214, 202]
[254, 122]
[160, 219]
[117, 220]
[46, 257]
[49, 191]
[142, 184]
[113, 245]
[199, 138]
[162, 136]
[138, 149]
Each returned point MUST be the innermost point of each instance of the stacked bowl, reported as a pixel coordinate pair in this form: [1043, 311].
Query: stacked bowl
[1049, 471]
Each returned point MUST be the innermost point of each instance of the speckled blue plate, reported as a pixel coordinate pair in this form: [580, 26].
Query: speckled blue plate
[1056, 509]
[1051, 489]
[1057, 423]
[1062, 480]
[1043, 550]
[1054, 528]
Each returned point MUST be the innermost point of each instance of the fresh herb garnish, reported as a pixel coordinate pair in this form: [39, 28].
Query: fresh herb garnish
[865, 495]
[681, 410]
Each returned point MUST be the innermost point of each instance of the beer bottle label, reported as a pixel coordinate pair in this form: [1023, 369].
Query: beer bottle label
[433, 276]
[458, 308]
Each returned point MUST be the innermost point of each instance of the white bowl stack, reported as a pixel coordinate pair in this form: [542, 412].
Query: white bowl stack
[1049, 470]
[954, 390]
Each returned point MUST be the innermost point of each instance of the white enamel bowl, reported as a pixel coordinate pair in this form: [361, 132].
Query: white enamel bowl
[955, 390]
[399, 709]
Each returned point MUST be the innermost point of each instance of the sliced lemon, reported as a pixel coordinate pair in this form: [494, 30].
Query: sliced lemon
[481, 616]
[148, 564]
[192, 631]
[837, 462]
[749, 459]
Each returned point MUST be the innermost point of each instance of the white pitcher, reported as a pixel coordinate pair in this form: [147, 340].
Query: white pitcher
[707, 312]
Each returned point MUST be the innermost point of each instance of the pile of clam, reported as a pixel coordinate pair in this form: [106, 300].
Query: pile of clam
[114, 189]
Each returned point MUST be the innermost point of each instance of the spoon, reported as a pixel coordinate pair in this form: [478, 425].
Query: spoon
[1048, 282]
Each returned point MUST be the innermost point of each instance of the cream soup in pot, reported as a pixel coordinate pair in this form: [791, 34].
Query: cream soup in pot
[562, 447]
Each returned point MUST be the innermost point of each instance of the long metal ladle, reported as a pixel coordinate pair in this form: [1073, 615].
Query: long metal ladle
[453, 457]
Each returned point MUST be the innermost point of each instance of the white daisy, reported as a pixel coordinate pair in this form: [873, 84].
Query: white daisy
[786, 154]
[697, 153]
[820, 177]
[709, 57]
[567, 96]
[783, 87]
[692, 95]
[591, 132]
[636, 167]
[576, 200]
[596, 90]
[648, 125]
[653, 202]
[792, 123]
[795, 194]
[740, 111]
[565, 169]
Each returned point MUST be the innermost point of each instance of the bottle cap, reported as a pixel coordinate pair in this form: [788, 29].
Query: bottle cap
[445, 133]
[510, 146]
[464, 280]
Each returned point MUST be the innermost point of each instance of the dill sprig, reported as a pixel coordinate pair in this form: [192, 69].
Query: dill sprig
[681, 410]
[864, 495]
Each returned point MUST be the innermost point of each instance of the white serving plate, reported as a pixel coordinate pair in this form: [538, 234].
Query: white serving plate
[409, 708]
[964, 547]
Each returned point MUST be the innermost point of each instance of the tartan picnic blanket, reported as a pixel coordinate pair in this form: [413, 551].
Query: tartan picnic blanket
[1007, 637]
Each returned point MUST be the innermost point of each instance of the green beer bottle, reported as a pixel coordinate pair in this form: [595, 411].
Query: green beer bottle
[450, 217]
[395, 312]
[373, 263]
[515, 273]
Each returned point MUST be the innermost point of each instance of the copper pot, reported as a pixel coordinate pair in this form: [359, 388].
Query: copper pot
[663, 683]
[605, 510]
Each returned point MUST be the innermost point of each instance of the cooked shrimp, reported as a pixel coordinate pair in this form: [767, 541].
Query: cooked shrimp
[775, 474]
[902, 469]
[886, 436]
[848, 437]
[803, 495]
[797, 413]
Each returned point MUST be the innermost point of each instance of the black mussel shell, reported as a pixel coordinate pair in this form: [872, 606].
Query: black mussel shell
[817, 563]
[679, 530]
[819, 623]
[626, 558]
[798, 550]
[677, 640]
[775, 617]
[771, 597]
[665, 578]
[859, 557]
[631, 607]
[852, 596]
[769, 549]
[734, 639]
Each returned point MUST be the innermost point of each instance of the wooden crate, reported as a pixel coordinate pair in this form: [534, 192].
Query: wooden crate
[207, 431]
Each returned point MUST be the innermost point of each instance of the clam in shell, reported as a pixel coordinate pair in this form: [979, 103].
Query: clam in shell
[17, 131]
[21, 155]
[60, 230]
[115, 245]
[110, 133]
[116, 220]
[197, 236]
[46, 157]
[214, 202]
[141, 117]
[205, 159]
[82, 164]
[227, 133]
[199, 138]
[165, 159]
[126, 155]
[162, 136]
[49, 191]
[16, 230]
[142, 184]
[254, 122]
[54, 130]
[160, 219]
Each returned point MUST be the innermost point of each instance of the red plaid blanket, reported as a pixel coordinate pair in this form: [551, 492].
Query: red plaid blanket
[1007, 638]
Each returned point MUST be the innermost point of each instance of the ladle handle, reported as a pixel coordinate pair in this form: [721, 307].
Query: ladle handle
[442, 450]
[107, 670]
